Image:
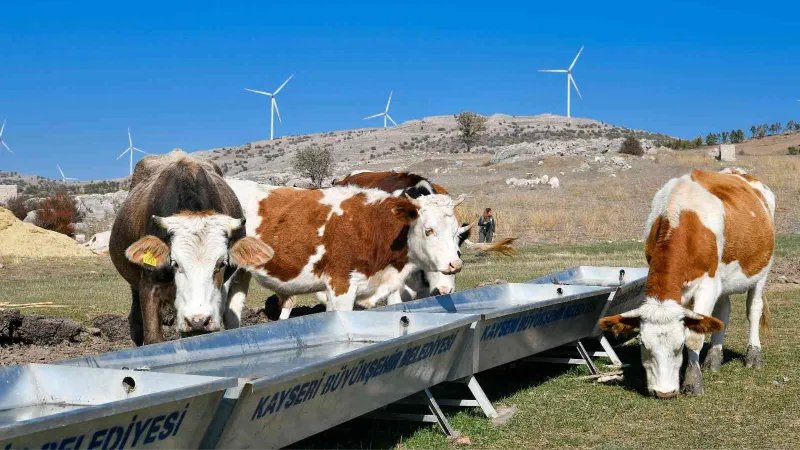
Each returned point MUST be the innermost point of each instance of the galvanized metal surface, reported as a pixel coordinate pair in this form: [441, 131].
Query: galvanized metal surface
[517, 319]
[304, 375]
[59, 407]
[628, 281]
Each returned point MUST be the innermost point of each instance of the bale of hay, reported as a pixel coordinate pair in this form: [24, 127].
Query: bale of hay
[19, 239]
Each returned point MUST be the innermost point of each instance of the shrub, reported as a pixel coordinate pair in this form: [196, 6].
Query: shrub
[793, 151]
[315, 163]
[17, 206]
[631, 146]
[57, 213]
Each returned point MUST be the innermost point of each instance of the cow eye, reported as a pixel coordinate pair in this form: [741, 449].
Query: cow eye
[221, 266]
[175, 265]
[429, 232]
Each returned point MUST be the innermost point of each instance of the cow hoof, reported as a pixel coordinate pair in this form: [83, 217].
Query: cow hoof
[754, 358]
[713, 361]
[692, 381]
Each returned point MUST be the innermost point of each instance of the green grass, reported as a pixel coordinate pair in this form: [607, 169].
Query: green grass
[742, 408]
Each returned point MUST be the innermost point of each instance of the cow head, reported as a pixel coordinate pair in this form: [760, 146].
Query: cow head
[662, 329]
[433, 235]
[197, 250]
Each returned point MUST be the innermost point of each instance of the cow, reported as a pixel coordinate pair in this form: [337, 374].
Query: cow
[709, 235]
[178, 239]
[421, 284]
[347, 241]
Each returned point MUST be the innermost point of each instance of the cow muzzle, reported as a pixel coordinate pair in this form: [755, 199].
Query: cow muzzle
[444, 290]
[198, 324]
[453, 268]
[665, 395]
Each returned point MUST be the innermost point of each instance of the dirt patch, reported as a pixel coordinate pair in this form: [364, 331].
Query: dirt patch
[36, 330]
[39, 339]
[18, 239]
[786, 270]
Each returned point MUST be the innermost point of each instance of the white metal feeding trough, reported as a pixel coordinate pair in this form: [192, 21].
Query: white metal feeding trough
[304, 375]
[60, 407]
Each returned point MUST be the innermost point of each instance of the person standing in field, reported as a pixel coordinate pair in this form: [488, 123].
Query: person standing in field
[486, 226]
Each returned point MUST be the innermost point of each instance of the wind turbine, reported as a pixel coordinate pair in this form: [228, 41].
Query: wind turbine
[569, 78]
[64, 177]
[1, 138]
[273, 105]
[131, 149]
[385, 113]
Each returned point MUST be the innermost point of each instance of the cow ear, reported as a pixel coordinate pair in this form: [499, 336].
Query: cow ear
[149, 252]
[250, 252]
[702, 324]
[405, 211]
[619, 324]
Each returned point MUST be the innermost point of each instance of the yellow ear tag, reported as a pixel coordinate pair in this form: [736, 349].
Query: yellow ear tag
[149, 259]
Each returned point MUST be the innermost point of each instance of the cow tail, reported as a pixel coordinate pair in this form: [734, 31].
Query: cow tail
[766, 317]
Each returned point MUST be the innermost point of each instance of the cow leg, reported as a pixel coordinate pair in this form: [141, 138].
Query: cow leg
[287, 304]
[150, 300]
[394, 298]
[722, 311]
[135, 319]
[704, 299]
[755, 307]
[237, 294]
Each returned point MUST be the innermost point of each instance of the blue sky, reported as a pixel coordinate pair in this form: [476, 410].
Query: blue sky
[75, 75]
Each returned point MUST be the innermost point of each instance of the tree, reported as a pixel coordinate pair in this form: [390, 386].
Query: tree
[698, 142]
[737, 136]
[762, 130]
[631, 146]
[790, 125]
[778, 127]
[470, 125]
[711, 139]
[725, 137]
[315, 163]
[753, 131]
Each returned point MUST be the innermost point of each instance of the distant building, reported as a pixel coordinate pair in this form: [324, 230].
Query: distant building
[7, 191]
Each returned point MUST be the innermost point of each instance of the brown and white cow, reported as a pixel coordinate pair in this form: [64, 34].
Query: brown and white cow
[177, 238]
[347, 241]
[709, 235]
[422, 284]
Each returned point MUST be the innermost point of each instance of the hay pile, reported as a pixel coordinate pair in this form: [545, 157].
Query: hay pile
[19, 239]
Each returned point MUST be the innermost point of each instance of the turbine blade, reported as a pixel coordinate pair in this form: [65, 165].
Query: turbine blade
[554, 71]
[61, 171]
[372, 117]
[130, 141]
[392, 120]
[6, 146]
[123, 153]
[3, 128]
[576, 59]
[390, 101]
[140, 150]
[284, 84]
[275, 104]
[576, 86]
[258, 92]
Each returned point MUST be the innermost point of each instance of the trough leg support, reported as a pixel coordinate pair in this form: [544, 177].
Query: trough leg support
[480, 396]
[609, 351]
[440, 418]
[586, 357]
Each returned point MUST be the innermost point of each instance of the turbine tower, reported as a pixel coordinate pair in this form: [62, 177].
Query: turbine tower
[385, 113]
[569, 79]
[131, 149]
[273, 105]
[64, 177]
[1, 137]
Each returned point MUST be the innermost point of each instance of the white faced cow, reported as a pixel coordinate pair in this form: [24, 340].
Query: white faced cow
[346, 241]
[422, 284]
[710, 235]
[178, 238]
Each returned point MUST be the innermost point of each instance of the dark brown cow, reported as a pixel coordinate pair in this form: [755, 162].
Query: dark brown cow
[178, 238]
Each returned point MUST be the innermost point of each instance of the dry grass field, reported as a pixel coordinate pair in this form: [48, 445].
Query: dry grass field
[596, 207]
[741, 409]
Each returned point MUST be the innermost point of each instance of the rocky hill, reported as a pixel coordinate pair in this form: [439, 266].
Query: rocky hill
[508, 138]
